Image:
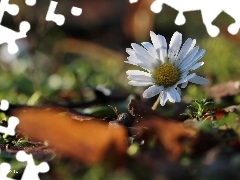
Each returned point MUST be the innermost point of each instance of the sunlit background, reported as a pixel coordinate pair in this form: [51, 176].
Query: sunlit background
[62, 62]
[67, 64]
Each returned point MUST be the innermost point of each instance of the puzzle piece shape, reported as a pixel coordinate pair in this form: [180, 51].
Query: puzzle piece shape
[51, 16]
[7, 35]
[133, 1]
[5, 168]
[30, 2]
[209, 10]
[12, 124]
[4, 105]
[12, 9]
[12, 121]
[31, 170]
[76, 11]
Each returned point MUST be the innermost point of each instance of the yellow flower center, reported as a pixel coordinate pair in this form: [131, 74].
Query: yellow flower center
[166, 75]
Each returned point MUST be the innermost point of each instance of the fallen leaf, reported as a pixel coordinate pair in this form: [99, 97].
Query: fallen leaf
[214, 113]
[141, 112]
[232, 108]
[87, 141]
[168, 132]
[224, 89]
[170, 135]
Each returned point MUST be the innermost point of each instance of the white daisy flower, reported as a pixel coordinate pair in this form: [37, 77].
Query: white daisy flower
[165, 69]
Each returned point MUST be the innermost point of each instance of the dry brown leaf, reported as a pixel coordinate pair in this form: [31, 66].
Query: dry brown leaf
[214, 113]
[86, 141]
[232, 108]
[141, 111]
[224, 89]
[170, 135]
[169, 132]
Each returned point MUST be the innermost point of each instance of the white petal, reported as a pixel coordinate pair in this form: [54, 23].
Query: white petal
[155, 40]
[183, 75]
[163, 98]
[189, 43]
[191, 62]
[133, 59]
[137, 83]
[199, 55]
[160, 44]
[192, 46]
[142, 62]
[163, 49]
[139, 60]
[179, 91]
[189, 58]
[173, 95]
[130, 51]
[190, 76]
[152, 91]
[140, 50]
[130, 62]
[138, 64]
[197, 65]
[143, 59]
[137, 72]
[174, 46]
[198, 80]
[184, 85]
[145, 66]
[141, 78]
[156, 43]
[170, 96]
[151, 49]
[177, 95]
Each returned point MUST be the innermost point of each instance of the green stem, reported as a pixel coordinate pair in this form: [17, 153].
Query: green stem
[156, 104]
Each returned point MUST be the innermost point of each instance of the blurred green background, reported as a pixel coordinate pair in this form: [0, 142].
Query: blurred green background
[67, 63]
[61, 62]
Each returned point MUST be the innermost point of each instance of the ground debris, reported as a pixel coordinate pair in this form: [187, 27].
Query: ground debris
[88, 141]
[170, 134]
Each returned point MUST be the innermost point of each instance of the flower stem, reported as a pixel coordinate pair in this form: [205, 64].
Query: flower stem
[156, 104]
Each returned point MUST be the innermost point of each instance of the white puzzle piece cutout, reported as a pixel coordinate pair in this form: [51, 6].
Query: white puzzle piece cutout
[51, 16]
[76, 11]
[209, 10]
[4, 105]
[12, 124]
[31, 170]
[7, 35]
[5, 168]
[12, 121]
[30, 2]
[133, 1]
